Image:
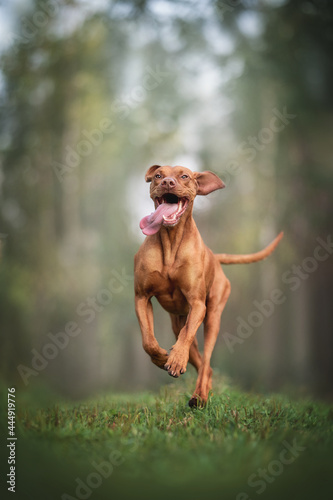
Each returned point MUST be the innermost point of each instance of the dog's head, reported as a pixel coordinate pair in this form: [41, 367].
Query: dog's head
[175, 188]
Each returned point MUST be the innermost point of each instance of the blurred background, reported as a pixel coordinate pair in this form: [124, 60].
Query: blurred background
[92, 94]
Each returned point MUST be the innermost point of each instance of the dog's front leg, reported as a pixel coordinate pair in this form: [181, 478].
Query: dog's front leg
[144, 312]
[178, 358]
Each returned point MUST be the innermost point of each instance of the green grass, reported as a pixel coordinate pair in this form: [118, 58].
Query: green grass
[161, 448]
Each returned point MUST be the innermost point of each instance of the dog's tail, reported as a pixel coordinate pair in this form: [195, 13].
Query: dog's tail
[225, 258]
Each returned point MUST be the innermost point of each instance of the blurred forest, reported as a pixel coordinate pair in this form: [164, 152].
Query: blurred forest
[92, 94]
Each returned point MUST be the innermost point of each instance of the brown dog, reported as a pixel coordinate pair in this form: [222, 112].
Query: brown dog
[174, 265]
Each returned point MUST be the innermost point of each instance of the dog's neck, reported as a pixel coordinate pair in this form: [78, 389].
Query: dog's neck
[171, 237]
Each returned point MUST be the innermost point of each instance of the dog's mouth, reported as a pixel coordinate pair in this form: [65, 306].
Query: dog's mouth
[179, 203]
[168, 210]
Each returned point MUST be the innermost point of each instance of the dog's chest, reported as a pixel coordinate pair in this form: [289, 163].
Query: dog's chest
[164, 279]
[166, 285]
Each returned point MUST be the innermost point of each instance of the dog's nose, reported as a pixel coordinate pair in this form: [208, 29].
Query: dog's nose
[168, 182]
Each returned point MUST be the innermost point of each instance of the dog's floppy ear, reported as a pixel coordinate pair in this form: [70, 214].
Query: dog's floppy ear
[150, 171]
[208, 182]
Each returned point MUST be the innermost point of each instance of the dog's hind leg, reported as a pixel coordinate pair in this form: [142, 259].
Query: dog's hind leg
[215, 304]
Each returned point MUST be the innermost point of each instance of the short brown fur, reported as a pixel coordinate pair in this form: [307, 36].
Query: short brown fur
[176, 267]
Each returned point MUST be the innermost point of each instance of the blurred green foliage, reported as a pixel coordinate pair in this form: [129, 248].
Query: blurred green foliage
[82, 119]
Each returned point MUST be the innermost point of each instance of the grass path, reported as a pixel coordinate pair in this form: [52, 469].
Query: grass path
[153, 446]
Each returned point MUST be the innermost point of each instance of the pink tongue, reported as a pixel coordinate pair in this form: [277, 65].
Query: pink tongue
[152, 223]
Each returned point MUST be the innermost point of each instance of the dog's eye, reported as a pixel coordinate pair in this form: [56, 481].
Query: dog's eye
[158, 176]
[185, 176]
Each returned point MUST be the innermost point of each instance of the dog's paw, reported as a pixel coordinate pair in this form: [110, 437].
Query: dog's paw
[194, 402]
[176, 364]
[197, 402]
